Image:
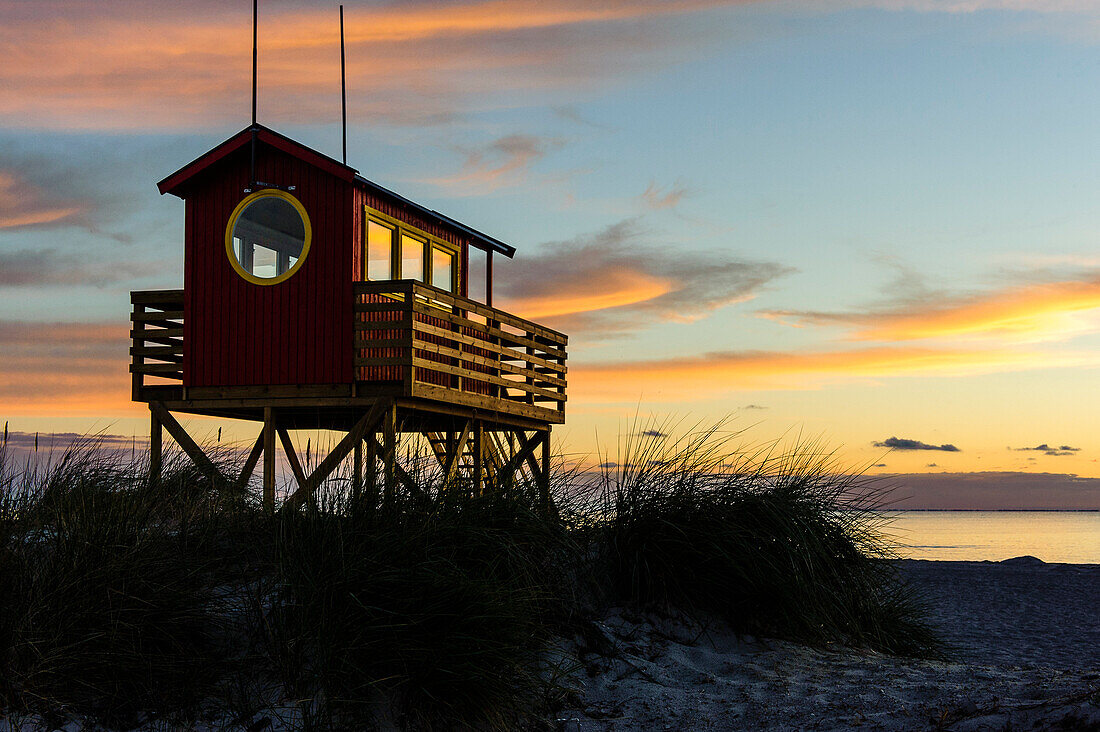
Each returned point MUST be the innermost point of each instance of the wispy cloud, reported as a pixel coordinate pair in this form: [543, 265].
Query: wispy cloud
[974, 6]
[1059, 451]
[29, 441]
[64, 368]
[506, 161]
[24, 204]
[900, 443]
[45, 267]
[126, 65]
[658, 198]
[720, 372]
[619, 280]
[1026, 312]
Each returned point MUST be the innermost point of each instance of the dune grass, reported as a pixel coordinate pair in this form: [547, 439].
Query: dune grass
[776, 542]
[443, 609]
[104, 586]
[122, 601]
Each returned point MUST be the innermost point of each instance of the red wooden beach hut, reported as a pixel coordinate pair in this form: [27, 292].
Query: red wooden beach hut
[315, 298]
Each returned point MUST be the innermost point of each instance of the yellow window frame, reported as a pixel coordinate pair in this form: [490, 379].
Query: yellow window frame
[267, 193]
[402, 228]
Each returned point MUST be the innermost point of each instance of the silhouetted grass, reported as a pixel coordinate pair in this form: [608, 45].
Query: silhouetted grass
[441, 607]
[105, 587]
[121, 600]
[776, 543]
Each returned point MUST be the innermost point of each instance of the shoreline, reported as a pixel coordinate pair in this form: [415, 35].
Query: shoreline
[993, 562]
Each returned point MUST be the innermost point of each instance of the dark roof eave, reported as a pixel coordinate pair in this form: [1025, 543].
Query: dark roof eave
[171, 183]
[489, 242]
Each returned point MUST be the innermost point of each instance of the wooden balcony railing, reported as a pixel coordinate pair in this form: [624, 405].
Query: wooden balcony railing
[156, 335]
[450, 348]
[410, 340]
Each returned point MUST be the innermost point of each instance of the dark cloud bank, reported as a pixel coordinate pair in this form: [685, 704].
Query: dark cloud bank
[1060, 451]
[993, 491]
[899, 443]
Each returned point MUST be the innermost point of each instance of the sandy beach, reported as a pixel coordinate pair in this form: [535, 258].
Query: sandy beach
[1024, 642]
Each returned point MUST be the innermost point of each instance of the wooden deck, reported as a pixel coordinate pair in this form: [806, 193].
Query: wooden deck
[432, 352]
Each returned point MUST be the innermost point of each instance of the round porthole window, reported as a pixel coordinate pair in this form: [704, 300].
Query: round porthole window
[268, 237]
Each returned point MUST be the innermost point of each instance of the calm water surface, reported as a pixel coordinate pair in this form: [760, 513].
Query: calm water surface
[1053, 536]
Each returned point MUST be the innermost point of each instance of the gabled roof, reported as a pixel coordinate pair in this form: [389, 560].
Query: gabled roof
[172, 183]
[175, 181]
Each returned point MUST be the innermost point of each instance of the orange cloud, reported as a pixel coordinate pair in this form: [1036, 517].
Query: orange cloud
[618, 287]
[128, 65]
[1027, 313]
[617, 280]
[22, 204]
[722, 372]
[64, 369]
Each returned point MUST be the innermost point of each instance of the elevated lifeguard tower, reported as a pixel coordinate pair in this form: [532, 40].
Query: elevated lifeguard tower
[314, 298]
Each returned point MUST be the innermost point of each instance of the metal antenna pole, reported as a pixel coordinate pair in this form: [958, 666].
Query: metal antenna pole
[254, 14]
[252, 166]
[343, 88]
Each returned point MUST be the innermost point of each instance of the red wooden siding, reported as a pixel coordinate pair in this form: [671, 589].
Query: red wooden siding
[296, 332]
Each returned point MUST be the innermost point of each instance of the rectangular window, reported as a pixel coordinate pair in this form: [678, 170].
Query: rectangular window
[412, 258]
[442, 269]
[379, 251]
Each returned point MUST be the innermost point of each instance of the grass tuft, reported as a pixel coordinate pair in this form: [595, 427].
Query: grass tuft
[776, 543]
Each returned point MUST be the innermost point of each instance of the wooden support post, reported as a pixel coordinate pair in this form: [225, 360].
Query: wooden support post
[269, 459]
[544, 479]
[372, 467]
[479, 456]
[357, 470]
[489, 278]
[187, 444]
[389, 454]
[156, 458]
[401, 475]
[526, 452]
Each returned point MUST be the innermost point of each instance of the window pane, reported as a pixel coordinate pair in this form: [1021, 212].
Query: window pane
[442, 264]
[379, 251]
[268, 237]
[412, 258]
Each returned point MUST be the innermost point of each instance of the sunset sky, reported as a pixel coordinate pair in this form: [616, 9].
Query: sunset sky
[869, 221]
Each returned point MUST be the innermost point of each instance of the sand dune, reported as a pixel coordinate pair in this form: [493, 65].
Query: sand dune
[1025, 645]
[1025, 640]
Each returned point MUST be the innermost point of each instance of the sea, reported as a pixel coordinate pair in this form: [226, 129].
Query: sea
[1071, 537]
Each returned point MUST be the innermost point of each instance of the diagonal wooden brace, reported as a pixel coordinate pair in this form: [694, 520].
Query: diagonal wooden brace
[188, 445]
[292, 457]
[456, 455]
[399, 472]
[526, 453]
[324, 470]
[250, 463]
